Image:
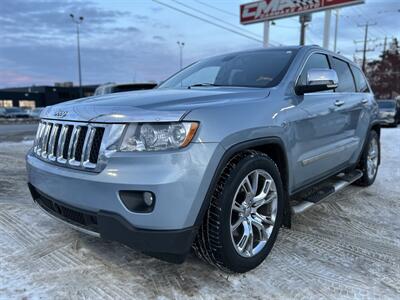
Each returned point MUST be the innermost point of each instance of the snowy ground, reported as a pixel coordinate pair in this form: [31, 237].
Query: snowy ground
[348, 247]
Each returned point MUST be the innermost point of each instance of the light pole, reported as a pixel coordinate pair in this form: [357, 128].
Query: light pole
[78, 22]
[180, 45]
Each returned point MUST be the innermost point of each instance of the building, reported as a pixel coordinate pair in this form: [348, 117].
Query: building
[41, 96]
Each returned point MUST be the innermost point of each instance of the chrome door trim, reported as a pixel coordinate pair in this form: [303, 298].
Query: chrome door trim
[315, 158]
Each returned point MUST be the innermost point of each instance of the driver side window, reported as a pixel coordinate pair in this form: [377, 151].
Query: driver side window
[315, 61]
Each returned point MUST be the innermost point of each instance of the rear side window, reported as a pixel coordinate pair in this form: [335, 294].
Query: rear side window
[346, 80]
[361, 82]
[316, 61]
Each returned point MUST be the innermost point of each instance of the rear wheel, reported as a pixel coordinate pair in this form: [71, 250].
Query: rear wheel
[369, 162]
[245, 214]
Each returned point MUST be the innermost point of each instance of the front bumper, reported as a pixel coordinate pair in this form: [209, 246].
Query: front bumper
[170, 245]
[179, 181]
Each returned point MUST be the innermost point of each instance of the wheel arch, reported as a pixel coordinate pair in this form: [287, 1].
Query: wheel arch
[275, 149]
[376, 126]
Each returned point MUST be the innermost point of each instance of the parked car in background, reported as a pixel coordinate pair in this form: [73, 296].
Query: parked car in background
[35, 112]
[398, 109]
[218, 157]
[16, 112]
[388, 113]
[126, 87]
[2, 112]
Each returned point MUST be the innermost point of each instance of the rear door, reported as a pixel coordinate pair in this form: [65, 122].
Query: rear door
[353, 109]
[365, 99]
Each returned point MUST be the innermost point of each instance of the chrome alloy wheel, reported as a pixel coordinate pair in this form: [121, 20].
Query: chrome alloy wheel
[253, 213]
[372, 158]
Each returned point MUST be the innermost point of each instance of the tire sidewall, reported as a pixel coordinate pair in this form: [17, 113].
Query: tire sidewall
[372, 135]
[237, 262]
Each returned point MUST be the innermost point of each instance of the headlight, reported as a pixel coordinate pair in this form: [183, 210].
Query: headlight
[158, 136]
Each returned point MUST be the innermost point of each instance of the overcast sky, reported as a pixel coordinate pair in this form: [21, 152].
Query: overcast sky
[135, 40]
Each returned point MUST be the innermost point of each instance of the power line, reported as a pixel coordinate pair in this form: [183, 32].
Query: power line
[214, 17]
[208, 21]
[238, 16]
[365, 50]
[218, 9]
[363, 14]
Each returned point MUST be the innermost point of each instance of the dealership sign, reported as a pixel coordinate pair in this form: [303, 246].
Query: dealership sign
[265, 10]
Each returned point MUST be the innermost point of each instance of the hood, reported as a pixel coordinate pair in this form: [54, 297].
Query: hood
[159, 105]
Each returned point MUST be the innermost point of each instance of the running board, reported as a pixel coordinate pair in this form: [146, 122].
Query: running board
[310, 197]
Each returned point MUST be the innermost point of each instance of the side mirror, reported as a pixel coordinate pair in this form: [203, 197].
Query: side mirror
[318, 80]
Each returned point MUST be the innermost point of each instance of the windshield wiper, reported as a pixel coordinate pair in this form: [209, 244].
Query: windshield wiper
[202, 84]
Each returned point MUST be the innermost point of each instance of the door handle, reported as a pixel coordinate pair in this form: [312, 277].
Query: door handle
[339, 102]
[364, 101]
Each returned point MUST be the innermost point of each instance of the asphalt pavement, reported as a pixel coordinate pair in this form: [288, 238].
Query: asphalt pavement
[17, 132]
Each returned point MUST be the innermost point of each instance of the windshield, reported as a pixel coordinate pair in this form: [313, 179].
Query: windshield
[258, 68]
[386, 104]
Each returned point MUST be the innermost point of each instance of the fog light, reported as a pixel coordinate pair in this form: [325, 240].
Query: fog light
[138, 201]
[148, 198]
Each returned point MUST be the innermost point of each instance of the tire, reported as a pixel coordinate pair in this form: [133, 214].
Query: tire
[217, 242]
[368, 178]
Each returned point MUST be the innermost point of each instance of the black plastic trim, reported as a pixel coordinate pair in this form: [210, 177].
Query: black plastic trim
[169, 242]
[373, 124]
[224, 160]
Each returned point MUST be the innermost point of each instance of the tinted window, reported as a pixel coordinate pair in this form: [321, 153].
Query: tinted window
[316, 61]
[361, 83]
[204, 75]
[249, 69]
[346, 80]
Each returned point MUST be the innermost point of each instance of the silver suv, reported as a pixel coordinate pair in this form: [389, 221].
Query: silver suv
[217, 158]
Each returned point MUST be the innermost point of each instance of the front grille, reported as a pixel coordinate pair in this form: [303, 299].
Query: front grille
[74, 145]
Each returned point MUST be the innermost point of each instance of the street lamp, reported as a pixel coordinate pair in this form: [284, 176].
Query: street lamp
[180, 45]
[78, 22]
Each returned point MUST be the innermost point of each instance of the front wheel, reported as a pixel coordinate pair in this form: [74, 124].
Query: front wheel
[245, 214]
[369, 162]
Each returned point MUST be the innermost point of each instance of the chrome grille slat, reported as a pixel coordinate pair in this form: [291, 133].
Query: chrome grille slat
[45, 140]
[87, 146]
[70, 144]
[61, 144]
[38, 136]
[52, 140]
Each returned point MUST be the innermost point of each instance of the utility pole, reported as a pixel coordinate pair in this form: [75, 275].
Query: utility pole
[304, 19]
[78, 22]
[336, 31]
[180, 45]
[365, 50]
[385, 44]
